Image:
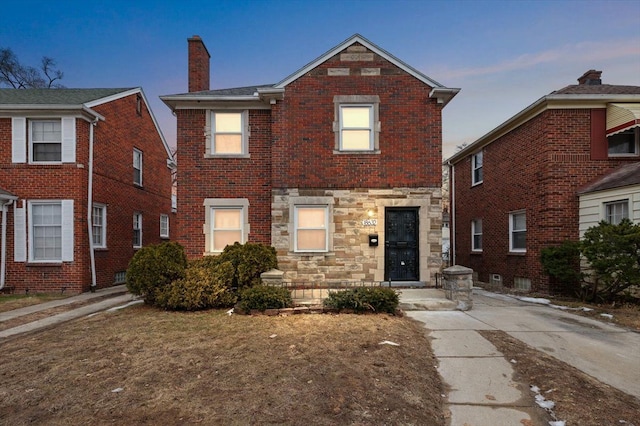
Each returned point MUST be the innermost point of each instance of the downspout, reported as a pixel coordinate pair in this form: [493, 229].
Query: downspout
[3, 254]
[452, 219]
[92, 257]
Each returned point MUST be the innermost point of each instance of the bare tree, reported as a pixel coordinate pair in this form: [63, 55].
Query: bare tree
[14, 74]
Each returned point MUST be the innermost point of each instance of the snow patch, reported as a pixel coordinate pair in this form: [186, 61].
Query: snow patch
[537, 300]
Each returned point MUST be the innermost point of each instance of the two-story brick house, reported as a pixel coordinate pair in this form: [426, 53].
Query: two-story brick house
[338, 166]
[85, 179]
[516, 190]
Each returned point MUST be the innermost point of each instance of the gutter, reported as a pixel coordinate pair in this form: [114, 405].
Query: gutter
[92, 256]
[452, 218]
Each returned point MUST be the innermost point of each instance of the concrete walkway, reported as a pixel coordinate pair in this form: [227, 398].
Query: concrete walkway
[481, 388]
[99, 301]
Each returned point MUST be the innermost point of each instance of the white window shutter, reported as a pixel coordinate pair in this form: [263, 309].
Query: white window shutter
[19, 234]
[67, 230]
[19, 140]
[69, 140]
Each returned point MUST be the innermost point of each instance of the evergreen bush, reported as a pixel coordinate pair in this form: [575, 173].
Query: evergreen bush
[364, 299]
[262, 297]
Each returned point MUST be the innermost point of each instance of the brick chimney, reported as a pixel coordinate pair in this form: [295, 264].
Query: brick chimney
[591, 78]
[198, 65]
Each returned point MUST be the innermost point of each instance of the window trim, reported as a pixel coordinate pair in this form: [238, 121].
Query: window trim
[475, 168]
[224, 203]
[31, 142]
[512, 216]
[137, 226]
[165, 234]
[210, 134]
[66, 230]
[371, 101]
[607, 204]
[103, 226]
[474, 233]
[636, 138]
[304, 201]
[137, 151]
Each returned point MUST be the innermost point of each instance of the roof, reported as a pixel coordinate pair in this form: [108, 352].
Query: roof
[626, 175]
[274, 91]
[55, 96]
[574, 96]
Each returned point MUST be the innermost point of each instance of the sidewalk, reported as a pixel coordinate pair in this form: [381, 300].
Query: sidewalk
[113, 296]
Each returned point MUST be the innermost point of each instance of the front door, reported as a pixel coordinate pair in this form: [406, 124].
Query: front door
[401, 244]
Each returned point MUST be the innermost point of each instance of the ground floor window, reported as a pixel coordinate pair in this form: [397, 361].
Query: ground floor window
[99, 225]
[615, 211]
[518, 231]
[476, 235]
[137, 230]
[311, 225]
[164, 226]
[226, 222]
[51, 231]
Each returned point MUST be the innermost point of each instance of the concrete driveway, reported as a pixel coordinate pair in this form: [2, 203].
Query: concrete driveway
[608, 353]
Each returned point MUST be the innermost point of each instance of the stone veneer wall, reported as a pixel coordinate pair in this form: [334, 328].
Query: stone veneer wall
[350, 259]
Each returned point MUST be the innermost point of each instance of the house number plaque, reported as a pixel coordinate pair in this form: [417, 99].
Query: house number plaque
[370, 222]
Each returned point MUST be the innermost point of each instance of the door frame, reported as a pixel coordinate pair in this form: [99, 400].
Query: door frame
[416, 210]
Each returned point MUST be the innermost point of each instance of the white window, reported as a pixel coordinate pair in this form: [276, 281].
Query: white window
[164, 226]
[311, 224]
[476, 168]
[51, 231]
[356, 127]
[46, 141]
[229, 133]
[625, 143]
[226, 222]
[356, 124]
[615, 211]
[518, 231]
[137, 167]
[476, 235]
[137, 230]
[99, 225]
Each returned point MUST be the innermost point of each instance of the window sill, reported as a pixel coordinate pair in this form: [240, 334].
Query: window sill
[311, 253]
[100, 249]
[517, 253]
[164, 237]
[227, 156]
[367, 152]
[476, 251]
[477, 183]
[634, 155]
[44, 264]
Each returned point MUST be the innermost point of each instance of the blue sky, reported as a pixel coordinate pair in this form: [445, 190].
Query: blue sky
[504, 55]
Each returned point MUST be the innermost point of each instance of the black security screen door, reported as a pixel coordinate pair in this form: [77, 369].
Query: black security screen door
[401, 244]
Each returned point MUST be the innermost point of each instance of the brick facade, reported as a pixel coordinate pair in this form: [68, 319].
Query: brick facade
[292, 153]
[536, 166]
[122, 129]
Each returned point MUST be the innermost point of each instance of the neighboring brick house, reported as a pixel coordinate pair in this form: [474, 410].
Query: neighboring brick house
[338, 166]
[515, 190]
[85, 179]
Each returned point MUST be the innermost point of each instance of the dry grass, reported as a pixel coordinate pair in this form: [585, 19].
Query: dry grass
[9, 302]
[144, 366]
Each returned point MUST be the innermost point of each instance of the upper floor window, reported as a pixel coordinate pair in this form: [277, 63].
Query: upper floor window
[229, 133]
[46, 140]
[99, 225]
[356, 124]
[137, 230]
[137, 167]
[476, 235]
[164, 226]
[625, 143]
[43, 140]
[476, 168]
[615, 211]
[518, 231]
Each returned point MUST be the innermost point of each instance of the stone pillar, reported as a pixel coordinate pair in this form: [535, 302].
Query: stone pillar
[458, 284]
[272, 278]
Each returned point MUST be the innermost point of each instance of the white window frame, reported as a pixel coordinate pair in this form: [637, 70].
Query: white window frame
[324, 227]
[210, 134]
[102, 226]
[624, 214]
[512, 231]
[372, 102]
[66, 231]
[137, 230]
[636, 140]
[32, 158]
[137, 166]
[213, 204]
[477, 162]
[164, 226]
[474, 233]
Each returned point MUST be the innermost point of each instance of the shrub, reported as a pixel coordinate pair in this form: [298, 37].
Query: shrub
[206, 285]
[261, 297]
[613, 253]
[364, 299]
[249, 261]
[155, 267]
[563, 264]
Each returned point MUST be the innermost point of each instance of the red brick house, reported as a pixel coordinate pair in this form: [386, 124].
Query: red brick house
[85, 179]
[338, 166]
[515, 190]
